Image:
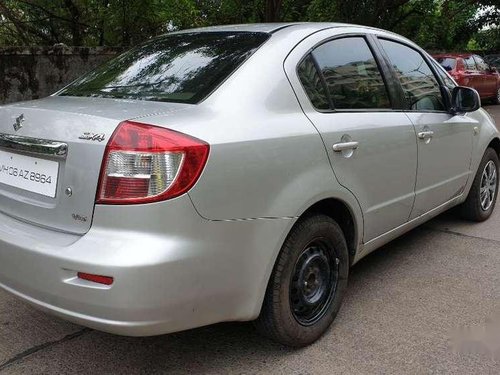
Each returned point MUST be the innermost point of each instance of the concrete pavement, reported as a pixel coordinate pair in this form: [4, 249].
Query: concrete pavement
[428, 302]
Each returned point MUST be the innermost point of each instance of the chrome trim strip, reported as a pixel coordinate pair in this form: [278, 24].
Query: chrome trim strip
[34, 146]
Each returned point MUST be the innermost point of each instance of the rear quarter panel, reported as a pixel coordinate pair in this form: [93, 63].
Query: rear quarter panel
[266, 159]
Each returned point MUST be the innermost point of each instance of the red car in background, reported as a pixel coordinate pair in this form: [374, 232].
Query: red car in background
[471, 70]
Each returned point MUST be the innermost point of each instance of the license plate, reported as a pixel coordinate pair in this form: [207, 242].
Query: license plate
[28, 173]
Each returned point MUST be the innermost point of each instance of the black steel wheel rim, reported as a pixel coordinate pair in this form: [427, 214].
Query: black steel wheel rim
[314, 282]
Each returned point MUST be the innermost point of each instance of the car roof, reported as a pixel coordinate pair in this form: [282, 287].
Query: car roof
[454, 55]
[278, 26]
[251, 27]
[301, 29]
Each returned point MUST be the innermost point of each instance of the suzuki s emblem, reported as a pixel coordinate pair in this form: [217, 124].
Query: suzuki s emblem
[19, 122]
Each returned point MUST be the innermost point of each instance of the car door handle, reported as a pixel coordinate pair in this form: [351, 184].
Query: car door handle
[426, 134]
[344, 146]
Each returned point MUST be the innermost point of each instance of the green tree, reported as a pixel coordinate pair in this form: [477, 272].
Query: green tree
[435, 24]
[91, 22]
[488, 22]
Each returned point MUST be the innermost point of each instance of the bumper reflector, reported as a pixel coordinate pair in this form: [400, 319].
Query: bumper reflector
[105, 280]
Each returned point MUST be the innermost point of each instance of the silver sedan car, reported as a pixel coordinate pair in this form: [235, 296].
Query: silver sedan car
[233, 173]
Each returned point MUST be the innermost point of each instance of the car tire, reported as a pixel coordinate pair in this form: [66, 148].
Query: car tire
[484, 192]
[307, 284]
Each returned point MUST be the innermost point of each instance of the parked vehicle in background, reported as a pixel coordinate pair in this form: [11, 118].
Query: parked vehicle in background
[234, 173]
[493, 60]
[472, 71]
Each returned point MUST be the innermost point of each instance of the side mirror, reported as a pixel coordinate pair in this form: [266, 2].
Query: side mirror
[464, 99]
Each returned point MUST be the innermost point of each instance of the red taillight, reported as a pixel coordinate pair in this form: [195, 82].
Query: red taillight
[145, 163]
[105, 280]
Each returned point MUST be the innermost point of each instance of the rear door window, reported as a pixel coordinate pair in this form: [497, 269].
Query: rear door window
[350, 74]
[470, 64]
[184, 67]
[481, 64]
[420, 86]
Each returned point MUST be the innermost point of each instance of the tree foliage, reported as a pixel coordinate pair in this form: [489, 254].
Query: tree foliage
[435, 24]
[488, 37]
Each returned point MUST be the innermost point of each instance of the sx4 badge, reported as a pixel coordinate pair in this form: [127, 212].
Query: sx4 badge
[99, 137]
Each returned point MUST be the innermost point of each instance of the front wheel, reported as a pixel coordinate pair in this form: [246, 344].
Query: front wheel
[307, 284]
[484, 192]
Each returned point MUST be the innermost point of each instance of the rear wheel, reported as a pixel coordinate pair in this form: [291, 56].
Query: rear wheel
[484, 192]
[307, 284]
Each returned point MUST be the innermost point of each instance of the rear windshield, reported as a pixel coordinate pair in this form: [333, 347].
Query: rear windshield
[182, 68]
[448, 63]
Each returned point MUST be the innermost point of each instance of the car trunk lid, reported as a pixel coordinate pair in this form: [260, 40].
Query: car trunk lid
[51, 153]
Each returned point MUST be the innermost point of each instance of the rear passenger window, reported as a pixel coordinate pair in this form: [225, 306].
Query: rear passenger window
[481, 65]
[420, 86]
[311, 81]
[470, 64]
[351, 74]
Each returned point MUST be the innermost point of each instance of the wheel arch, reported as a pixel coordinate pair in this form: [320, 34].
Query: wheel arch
[348, 217]
[344, 215]
[495, 144]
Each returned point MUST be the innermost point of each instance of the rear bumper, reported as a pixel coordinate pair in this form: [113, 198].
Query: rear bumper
[172, 269]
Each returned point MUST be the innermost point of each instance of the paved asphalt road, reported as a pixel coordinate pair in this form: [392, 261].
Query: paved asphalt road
[428, 302]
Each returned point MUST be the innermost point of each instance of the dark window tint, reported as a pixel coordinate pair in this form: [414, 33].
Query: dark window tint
[420, 86]
[448, 63]
[470, 64]
[180, 67]
[312, 83]
[351, 74]
[493, 60]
